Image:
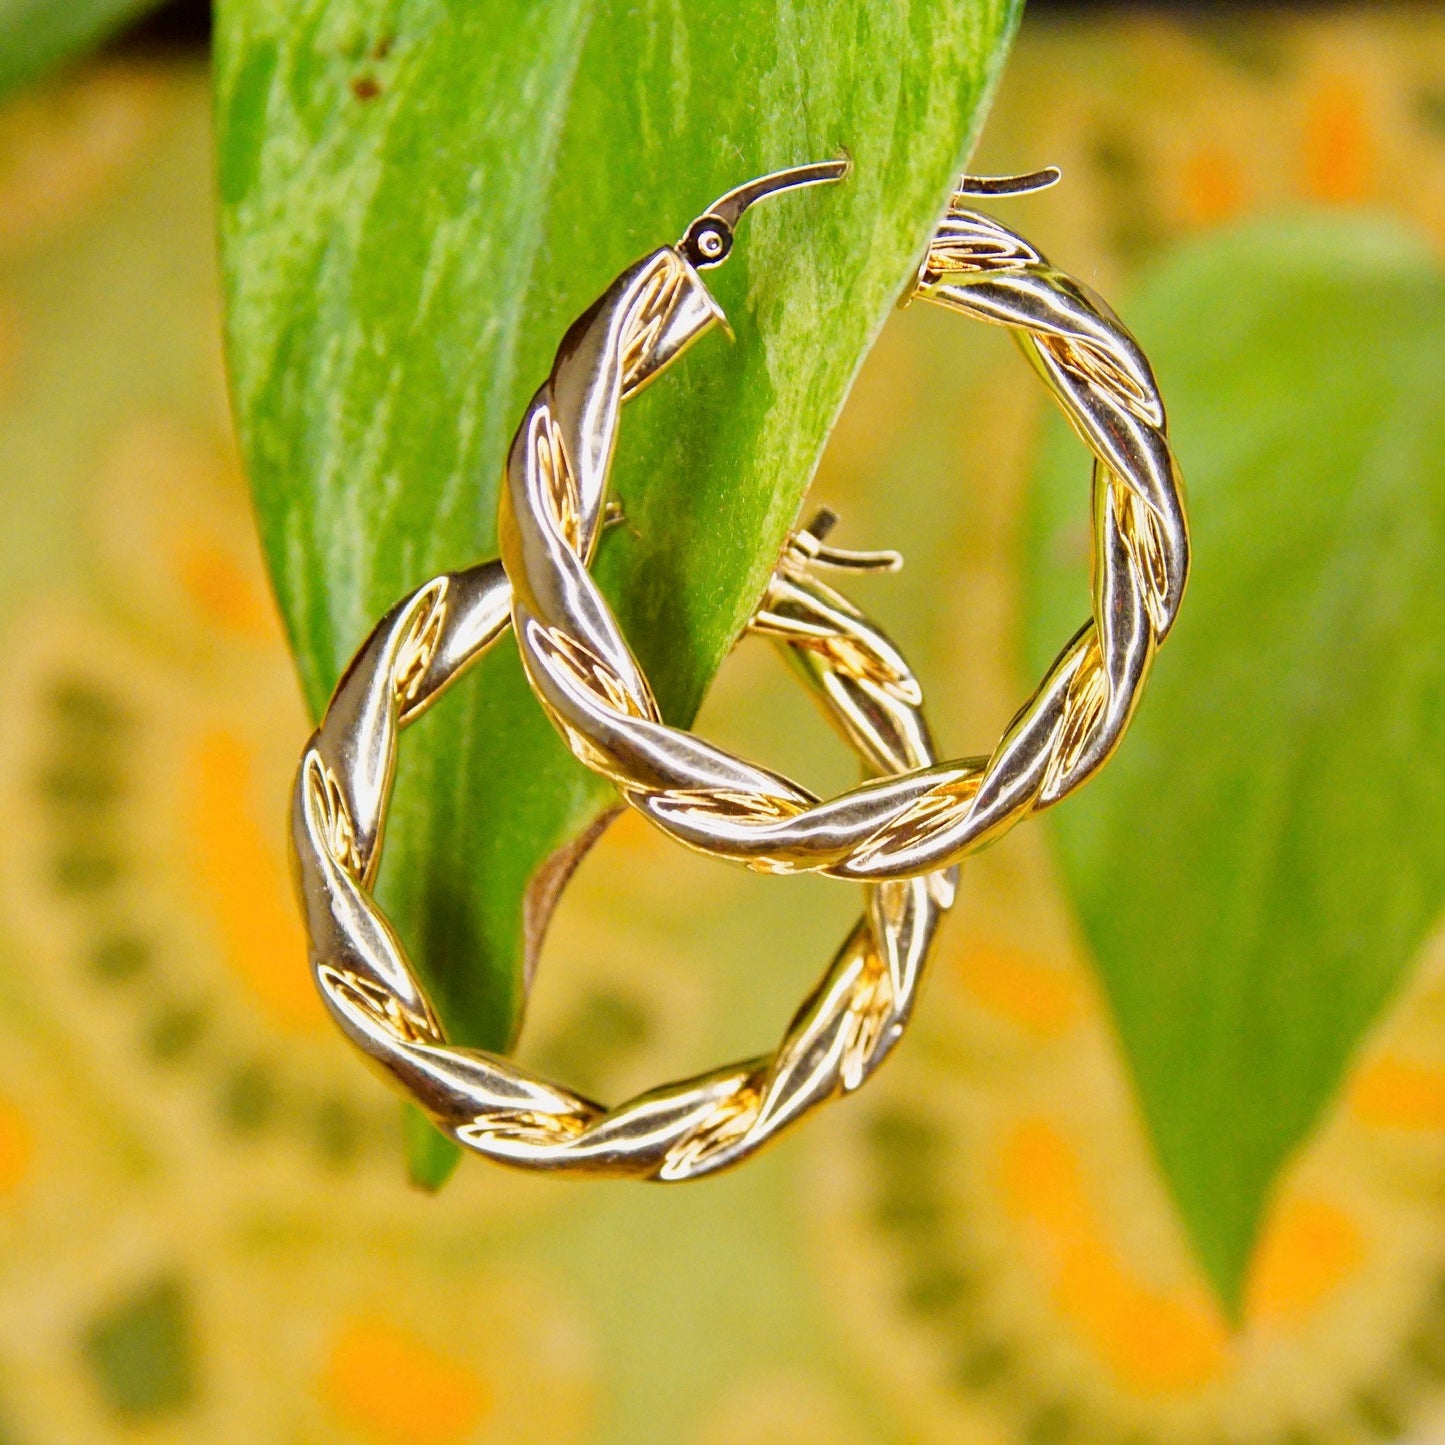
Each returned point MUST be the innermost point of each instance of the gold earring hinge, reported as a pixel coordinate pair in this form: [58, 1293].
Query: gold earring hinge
[807, 545]
[709, 239]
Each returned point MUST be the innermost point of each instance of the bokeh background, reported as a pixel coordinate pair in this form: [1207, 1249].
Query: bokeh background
[205, 1230]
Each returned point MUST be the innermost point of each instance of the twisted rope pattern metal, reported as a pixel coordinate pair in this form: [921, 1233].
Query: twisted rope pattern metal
[593, 688]
[488, 1103]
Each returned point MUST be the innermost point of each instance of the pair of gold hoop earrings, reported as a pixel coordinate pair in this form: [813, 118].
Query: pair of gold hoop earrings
[902, 832]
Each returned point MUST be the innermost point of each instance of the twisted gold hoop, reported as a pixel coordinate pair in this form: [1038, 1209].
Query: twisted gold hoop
[681, 1131]
[581, 668]
[487, 1103]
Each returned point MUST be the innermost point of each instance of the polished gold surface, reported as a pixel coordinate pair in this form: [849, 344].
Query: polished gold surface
[904, 825]
[902, 832]
[856, 1013]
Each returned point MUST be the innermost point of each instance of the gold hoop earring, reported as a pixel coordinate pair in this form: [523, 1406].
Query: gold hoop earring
[485, 1102]
[586, 677]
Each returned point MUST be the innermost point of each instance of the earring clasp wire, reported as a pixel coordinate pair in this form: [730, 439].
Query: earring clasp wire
[807, 544]
[1039, 180]
[709, 239]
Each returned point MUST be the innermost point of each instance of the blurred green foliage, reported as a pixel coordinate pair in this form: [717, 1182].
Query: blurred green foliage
[36, 35]
[1263, 859]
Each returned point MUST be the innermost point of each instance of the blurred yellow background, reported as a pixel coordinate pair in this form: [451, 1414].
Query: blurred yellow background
[205, 1230]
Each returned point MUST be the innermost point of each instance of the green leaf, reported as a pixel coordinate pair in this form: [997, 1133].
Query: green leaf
[36, 35]
[1262, 861]
[418, 198]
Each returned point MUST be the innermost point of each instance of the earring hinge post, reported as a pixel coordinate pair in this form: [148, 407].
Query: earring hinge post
[709, 239]
[807, 542]
[1039, 180]
[730, 208]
